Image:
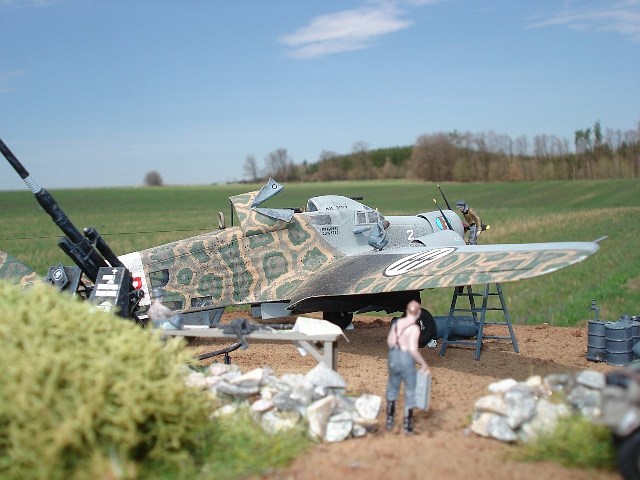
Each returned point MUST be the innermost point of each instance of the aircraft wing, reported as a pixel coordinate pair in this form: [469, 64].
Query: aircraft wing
[417, 268]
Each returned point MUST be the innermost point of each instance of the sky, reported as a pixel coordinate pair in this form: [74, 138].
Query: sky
[98, 93]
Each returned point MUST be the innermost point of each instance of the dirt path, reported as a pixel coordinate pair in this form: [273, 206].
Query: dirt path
[443, 446]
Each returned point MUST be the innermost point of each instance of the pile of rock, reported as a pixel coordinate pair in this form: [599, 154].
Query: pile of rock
[520, 411]
[316, 399]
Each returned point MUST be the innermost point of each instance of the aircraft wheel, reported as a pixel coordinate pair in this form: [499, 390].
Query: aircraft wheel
[427, 328]
[629, 456]
[343, 320]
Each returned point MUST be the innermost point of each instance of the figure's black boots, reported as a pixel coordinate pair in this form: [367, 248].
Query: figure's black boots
[391, 410]
[408, 422]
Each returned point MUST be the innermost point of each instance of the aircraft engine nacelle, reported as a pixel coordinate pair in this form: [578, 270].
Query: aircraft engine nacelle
[439, 223]
[439, 238]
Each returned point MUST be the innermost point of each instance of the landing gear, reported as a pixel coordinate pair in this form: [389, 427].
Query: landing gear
[427, 328]
[343, 320]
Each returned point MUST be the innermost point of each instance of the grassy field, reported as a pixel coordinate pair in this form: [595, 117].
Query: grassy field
[135, 218]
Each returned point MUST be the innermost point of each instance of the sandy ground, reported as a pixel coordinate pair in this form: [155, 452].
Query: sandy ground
[443, 446]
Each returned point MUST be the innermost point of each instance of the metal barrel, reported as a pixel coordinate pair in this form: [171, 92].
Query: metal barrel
[596, 341]
[619, 343]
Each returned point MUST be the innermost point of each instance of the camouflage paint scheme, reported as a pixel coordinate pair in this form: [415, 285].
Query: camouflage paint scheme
[262, 260]
[328, 258]
[321, 259]
[14, 270]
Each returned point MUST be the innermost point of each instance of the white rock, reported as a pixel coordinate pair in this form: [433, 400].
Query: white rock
[492, 404]
[249, 379]
[502, 385]
[318, 414]
[534, 382]
[262, 405]
[368, 405]
[591, 379]
[196, 380]
[323, 376]
[338, 427]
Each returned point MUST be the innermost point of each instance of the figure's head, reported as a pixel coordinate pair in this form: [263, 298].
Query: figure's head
[413, 308]
[462, 205]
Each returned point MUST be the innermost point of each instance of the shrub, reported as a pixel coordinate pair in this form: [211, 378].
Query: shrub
[575, 442]
[84, 394]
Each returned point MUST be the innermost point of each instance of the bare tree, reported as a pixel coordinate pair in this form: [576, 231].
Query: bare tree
[153, 179]
[434, 157]
[279, 165]
[250, 168]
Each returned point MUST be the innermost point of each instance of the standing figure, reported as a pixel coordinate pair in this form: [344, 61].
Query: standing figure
[403, 355]
[472, 219]
[162, 316]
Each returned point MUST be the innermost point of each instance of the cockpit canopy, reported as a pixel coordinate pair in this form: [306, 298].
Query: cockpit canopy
[365, 215]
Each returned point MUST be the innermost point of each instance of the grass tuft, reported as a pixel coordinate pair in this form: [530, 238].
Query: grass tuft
[88, 395]
[576, 442]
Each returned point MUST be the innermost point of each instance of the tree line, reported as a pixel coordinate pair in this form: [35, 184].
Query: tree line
[469, 157]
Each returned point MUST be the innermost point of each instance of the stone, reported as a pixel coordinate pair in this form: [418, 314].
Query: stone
[323, 376]
[249, 379]
[591, 379]
[521, 405]
[582, 397]
[318, 414]
[196, 380]
[492, 404]
[545, 419]
[338, 427]
[493, 425]
[502, 385]
[368, 405]
[275, 421]
[235, 390]
[262, 405]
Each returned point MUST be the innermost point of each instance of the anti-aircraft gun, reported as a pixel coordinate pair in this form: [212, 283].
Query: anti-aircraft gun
[110, 284]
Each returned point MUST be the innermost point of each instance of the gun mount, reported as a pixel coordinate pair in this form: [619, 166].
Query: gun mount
[89, 251]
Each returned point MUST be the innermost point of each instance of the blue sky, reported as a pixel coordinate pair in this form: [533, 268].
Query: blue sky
[97, 93]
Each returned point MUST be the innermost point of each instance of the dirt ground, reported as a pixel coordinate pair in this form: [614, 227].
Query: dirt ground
[443, 446]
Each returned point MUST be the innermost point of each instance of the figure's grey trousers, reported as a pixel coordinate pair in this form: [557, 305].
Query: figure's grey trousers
[402, 368]
[473, 235]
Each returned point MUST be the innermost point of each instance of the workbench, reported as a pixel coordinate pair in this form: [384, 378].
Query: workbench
[322, 347]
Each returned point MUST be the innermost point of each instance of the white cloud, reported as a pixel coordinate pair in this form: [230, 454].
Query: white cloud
[346, 30]
[621, 17]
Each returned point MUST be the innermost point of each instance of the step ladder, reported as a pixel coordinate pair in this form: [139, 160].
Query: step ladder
[479, 318]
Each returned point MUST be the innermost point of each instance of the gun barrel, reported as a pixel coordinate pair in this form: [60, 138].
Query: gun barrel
[80, 249]
[46, 201]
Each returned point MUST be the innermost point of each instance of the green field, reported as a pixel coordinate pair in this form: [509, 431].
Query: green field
[135, 218]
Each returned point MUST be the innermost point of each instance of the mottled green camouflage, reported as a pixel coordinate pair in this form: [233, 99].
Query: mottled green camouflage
[15, 271]
[467, 265]
[259, 261]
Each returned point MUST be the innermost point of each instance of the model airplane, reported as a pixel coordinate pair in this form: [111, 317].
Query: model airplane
[337, 256]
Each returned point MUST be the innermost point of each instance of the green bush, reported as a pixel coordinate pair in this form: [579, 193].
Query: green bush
[84, 394]
[575, 442]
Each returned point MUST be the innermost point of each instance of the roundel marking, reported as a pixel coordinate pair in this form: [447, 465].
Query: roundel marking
[416, 260]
